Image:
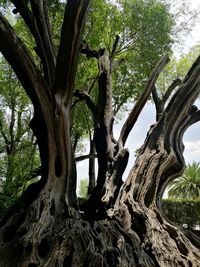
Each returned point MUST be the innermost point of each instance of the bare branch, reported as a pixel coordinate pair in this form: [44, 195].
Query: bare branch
[34, 173]
[38, 24]
[11, 125]
[184, 113]
[114, 49]
[2, 150]
[127, 43]
[192, 70]
[89, 156]
[187, 93]
[158, 103]
[195, 117]
[3, 133]
[16, 53]
[87, 91]
[133, 116]
[117, 63]
[156, 98]
[127, 48]
[85, 96]
[89, 52]
[68, 51]
[93, 84]
[23, 9]
[44, 38]
[171, 88]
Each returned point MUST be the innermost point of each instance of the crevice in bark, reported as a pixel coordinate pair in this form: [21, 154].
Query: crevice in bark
[41, 208]
[68, 260]
[195, 240]
[9, 233]
[148, 249]
[138, 225]
[158, 216]
[52, 208]
[44, 248]
[38, 126]
[58, 166]
[153, 185]
[22, 231]
[176, 237]
[32, 265]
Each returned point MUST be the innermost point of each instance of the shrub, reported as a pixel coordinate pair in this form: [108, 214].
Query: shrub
[182, 212]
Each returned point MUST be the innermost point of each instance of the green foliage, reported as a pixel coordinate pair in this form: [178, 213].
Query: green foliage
[82, 126]
[18, 151]
[151, 23]
[187, 60]
[182, 212]
[83, 188]
[56, 13]
[188, 185]
[147, 26]
[177, 68]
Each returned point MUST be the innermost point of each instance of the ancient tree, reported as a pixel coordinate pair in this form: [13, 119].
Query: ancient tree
[121, 224]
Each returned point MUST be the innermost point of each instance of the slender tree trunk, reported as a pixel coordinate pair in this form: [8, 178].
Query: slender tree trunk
[92, 178]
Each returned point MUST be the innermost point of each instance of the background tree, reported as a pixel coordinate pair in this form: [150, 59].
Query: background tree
[19, 156]
[187, 186]
[121, 221]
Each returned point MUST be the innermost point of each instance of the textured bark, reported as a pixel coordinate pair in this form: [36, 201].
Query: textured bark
[113, 181]
[51, 200]
[111, 154]
[160, 102]
[122, 224]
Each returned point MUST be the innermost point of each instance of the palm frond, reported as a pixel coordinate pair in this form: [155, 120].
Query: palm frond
[188, 185]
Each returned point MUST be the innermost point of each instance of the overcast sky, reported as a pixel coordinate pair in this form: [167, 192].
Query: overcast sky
[147, 118]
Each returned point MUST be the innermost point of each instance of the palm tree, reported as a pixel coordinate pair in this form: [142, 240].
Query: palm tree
[188, 185]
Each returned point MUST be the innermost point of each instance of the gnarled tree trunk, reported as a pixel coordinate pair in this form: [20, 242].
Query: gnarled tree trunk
[122, 224]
